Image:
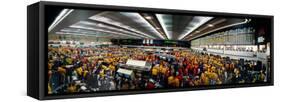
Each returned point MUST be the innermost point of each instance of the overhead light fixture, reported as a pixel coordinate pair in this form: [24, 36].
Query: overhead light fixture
[162, 23]
[106, 31]
[197, 31]
[213, 24]
[121, 25]
[84, 24]
[249, 20]
[148, 17]
[142, 21]
[59, 18]
[231, 25]
[99, 24]
[210, 25]
[68, 33]
[196, 22]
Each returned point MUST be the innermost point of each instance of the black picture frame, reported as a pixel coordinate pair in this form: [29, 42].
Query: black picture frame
[37, 39]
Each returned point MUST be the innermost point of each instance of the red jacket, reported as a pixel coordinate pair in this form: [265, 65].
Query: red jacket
[150, 85]
[195, 69]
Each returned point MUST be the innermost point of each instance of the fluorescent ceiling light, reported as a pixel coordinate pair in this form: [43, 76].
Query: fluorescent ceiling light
[162, 23]
[86, 23]
[115, 23]
[235, 24]
[68, 33]
[138, 18]
[59, 18]
[78, 31]
[196, 22]
[214, 23]
[101, 30]
[210, 25]
[78, 34]
[148, 17]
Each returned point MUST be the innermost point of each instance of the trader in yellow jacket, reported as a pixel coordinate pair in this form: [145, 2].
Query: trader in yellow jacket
[79, 71]
[155, 70]
[171, 80]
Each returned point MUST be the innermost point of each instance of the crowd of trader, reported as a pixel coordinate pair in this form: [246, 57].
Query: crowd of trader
[72, 70]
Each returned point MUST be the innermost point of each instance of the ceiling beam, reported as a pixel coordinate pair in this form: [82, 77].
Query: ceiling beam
[163, 25]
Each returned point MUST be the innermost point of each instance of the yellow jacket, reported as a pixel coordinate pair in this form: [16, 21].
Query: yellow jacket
[170, 80]
[79, 71]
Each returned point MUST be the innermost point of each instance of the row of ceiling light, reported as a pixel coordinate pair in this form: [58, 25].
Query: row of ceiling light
[149, 18]
[133, 31]
[216, 29]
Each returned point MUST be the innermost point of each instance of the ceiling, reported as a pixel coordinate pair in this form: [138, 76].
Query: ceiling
[132, 25]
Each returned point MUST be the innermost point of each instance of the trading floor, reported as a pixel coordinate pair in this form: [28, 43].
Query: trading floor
[105, 68]
[110, 50]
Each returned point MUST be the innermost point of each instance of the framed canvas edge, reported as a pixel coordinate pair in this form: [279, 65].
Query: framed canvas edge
[44, 39]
